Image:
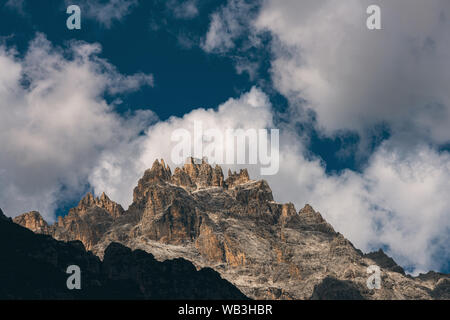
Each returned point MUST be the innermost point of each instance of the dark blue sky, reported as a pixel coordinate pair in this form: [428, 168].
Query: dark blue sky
[185, 77]
[182, 76]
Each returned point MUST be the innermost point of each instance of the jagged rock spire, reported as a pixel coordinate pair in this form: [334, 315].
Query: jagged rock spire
[87, 201]
[194, 174]
[314, 220]
[310, 216]
[158, 173]
[235, 179]
[103, 202]
[198, 175]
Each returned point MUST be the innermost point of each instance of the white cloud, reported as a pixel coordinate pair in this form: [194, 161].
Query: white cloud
[183, 9]
[413, 191]
[54, 122]
[354, 78]
[227, 25]
[106, 12]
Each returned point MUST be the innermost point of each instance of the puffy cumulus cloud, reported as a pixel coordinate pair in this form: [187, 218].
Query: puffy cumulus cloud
[354, 78]
[55, 123]
[411, 192]
[106, 12]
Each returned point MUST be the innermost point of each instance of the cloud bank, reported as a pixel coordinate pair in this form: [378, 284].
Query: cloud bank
[54, 121]
[354, 78]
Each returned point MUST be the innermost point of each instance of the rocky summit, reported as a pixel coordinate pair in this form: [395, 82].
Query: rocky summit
[266, 249]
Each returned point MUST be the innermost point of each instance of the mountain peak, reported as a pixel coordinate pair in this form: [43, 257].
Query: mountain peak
[33, 221]
[159, 172]
[235, 179]
[89, 201]
[310, 215]
[312, 219]
[384, 261]
[199, 174]
[86, 222]
[194, 174]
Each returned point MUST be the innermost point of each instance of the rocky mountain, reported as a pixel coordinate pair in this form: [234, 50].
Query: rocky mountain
[266, 249]
[33, 266]
[87, 222]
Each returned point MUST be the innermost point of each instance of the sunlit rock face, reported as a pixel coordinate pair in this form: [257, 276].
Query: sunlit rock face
[87, 222]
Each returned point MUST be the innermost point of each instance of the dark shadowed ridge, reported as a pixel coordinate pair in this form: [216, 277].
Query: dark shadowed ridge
[33, 267]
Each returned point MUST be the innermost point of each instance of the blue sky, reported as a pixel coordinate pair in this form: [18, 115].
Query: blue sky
[363, 115]
[133, 46]
[183, 72]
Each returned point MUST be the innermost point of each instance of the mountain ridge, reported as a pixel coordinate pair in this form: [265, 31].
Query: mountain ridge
[266, 249]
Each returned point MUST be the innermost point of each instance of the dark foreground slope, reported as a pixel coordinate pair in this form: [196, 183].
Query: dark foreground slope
[33, 266]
